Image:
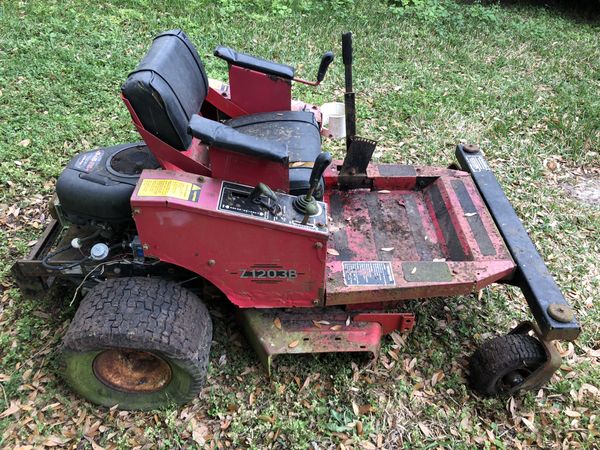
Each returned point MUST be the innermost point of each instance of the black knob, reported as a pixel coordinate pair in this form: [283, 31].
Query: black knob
[325, 61]
[321, 163]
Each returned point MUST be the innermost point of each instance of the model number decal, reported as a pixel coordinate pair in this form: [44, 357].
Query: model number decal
[269, 273]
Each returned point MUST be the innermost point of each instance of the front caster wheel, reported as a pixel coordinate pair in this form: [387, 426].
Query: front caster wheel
[141, 343]
[500, 365]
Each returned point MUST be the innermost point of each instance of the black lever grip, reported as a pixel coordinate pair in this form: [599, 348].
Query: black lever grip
[321, 163]
[347, 48]
[262, 189]
[326, 59]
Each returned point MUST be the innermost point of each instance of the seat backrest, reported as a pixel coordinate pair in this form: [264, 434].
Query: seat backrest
[167, 88]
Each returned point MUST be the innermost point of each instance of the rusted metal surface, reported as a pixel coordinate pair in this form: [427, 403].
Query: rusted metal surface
[389, 321]
[562, 313]
[354, 168]
[544, 373]
[130, 370]
[471, 148]
[275, 332]
[429, 225]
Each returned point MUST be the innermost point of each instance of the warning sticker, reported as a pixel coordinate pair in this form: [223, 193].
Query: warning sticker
[477, 163]
[368, 273]
[169, 188]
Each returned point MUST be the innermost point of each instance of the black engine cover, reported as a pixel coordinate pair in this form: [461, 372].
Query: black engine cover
[97, 185]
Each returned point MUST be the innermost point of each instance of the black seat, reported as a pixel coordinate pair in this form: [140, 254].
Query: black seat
[169, 86]
[296, 129]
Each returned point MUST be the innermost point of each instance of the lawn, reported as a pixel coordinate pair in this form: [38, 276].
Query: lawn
[523, 81]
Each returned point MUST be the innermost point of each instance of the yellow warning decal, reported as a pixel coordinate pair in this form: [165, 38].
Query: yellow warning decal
[169, 188]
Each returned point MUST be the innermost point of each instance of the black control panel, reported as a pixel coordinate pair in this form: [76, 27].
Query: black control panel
[235, 198]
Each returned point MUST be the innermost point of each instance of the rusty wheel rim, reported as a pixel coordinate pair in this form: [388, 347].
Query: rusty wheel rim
[129, 370]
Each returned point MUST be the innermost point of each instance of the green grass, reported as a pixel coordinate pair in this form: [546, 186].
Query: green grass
[521, 81]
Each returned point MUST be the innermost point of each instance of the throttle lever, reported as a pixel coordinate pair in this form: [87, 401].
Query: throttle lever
[262, 190]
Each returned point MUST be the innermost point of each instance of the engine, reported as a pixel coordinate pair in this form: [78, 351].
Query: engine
[95, 187]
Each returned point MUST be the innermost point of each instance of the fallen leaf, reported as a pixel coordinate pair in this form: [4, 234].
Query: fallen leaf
[25, 142]
[384, 191]
[12, 409]
[333, 251]
[198, 432]
[355, 409]
[93, 443]
[277, 323]
[366, 409]
[55, 441]
[426, 431]
[293, 344]
[529, 424]
[470, 214]
[414, 270]
[387, 249]
[571, 413]
[267, 419]
[437, 377]
[336, 328]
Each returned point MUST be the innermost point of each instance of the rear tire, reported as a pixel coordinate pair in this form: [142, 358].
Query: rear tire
[501, 364]
[141, 343]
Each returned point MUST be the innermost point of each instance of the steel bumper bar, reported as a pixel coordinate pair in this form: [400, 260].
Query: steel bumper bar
[553, 314]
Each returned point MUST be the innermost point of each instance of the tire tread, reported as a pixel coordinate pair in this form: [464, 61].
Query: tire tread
[146, 314]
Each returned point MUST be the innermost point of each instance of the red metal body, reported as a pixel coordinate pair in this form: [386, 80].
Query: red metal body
[218, 245]
[257, 92]
[425, 234]
[428, 226]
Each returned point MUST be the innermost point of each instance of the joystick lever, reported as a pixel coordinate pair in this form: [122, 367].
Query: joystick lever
[306, 204]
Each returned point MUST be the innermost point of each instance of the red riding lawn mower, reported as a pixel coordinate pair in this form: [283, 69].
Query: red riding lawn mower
[229, 195]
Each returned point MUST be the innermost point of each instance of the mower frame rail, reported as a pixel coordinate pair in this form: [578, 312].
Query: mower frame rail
[553, 315]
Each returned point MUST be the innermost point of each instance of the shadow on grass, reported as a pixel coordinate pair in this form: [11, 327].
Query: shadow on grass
[577, 10]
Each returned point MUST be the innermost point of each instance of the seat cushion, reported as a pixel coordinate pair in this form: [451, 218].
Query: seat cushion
[296, 129]
[168, 87]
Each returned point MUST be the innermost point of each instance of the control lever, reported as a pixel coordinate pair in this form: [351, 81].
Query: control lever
[326, 59]
[257, 197]
[306, 204]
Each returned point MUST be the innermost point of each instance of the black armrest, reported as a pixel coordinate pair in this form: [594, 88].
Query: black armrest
[227, 138]
[254, 63]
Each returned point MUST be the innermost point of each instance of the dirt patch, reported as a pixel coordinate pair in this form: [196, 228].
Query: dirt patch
[587, 189]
